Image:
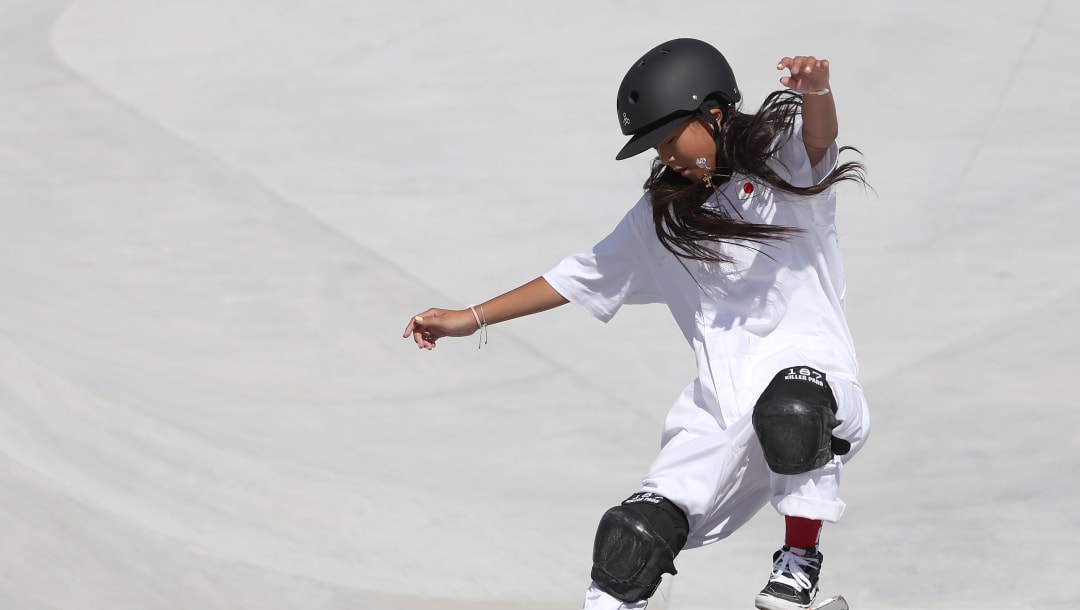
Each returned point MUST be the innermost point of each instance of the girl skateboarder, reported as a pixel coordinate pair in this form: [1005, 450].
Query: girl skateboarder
[735, 233]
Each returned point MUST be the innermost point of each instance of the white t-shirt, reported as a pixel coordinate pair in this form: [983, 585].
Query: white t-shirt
[778, 305]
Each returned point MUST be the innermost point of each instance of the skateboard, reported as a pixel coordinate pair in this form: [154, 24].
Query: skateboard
[836, 602]
[662, 600]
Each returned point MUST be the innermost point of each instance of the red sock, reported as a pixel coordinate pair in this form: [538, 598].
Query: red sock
[802, 533]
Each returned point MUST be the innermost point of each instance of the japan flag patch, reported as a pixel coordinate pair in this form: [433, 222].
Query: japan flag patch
[746, 190]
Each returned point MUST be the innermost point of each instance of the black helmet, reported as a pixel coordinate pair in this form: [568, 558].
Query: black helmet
[666, 86]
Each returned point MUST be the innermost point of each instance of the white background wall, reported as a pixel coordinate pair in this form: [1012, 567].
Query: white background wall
[217, 217]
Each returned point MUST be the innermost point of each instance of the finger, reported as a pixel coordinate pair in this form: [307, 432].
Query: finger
[785, 62]
[421, 342]
[412, 326]
[821, 65]
[795, 65]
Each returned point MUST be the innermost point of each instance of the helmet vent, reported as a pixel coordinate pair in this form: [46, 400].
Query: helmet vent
[633, 97]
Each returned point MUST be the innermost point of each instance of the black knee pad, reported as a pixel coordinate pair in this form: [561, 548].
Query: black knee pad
[794, 420]
[636, 544]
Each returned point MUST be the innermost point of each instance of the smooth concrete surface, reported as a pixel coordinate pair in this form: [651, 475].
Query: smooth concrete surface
[217, 217]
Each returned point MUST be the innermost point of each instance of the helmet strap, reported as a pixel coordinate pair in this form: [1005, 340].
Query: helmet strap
[706, 109]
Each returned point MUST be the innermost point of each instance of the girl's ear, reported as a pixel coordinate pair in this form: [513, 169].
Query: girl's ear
[716, 114]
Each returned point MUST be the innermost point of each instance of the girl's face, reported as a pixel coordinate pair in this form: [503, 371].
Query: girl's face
[689, 142]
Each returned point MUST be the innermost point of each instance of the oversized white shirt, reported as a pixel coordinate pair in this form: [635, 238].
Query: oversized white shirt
[777, 305]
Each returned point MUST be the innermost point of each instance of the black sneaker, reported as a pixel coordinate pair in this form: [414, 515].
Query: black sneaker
[793, 584]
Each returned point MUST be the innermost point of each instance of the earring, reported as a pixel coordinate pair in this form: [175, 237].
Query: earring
[703, 163]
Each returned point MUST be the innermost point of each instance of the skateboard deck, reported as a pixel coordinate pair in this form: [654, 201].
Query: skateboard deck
[836, 602]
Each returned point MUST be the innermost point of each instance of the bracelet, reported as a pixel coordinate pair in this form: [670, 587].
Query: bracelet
[481, 324]
[818, 92]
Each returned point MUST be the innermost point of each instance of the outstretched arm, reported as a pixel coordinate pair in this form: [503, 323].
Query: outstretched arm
[428, 327]
[810, 76]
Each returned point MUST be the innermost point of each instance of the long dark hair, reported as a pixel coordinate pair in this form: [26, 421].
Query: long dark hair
[686, 226]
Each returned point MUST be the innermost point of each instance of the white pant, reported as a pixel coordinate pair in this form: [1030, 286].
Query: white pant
[719, 477]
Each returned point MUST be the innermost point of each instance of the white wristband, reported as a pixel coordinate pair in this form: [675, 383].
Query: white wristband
[479, 324]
